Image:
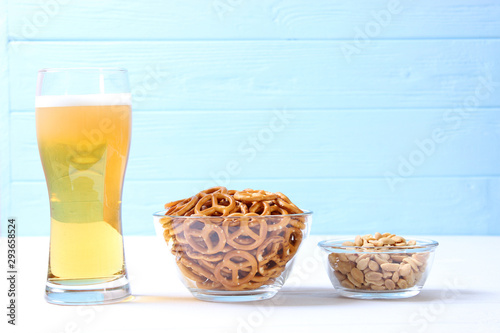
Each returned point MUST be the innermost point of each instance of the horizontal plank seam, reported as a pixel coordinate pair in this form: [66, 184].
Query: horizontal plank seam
[284, 179]
[429, 109]
[187, 40]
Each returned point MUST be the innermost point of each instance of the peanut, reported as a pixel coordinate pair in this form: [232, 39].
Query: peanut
[358, 275]
[373, 265]
[363, 263]
[378, 271]
[390, 267]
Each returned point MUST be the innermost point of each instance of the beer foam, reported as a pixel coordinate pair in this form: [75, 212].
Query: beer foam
[83, 100]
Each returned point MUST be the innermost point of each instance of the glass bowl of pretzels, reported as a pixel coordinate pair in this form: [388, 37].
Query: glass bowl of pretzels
[233, 246]
[379, 266]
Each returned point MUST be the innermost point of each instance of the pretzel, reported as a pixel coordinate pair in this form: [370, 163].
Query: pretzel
[216, 189]
[205, 257]
[269, 249]
[185, 205]
[271, 269]
[215, 204]
[289, 206]
[246, 244]
[250, 195]
[207, 246]
[235, 267]
[245, 237]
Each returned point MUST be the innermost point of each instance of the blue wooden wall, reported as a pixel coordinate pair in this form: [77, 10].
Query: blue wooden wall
[376, 114]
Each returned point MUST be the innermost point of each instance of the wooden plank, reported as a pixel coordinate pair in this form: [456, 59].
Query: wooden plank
[278, 74]
[4, 121]
[244, 19]
[292, 144]
[422, 206]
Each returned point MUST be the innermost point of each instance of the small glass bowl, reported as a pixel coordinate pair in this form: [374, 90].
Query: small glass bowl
[233, 259]
[378, 272]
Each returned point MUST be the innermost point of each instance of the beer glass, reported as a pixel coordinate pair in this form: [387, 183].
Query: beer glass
[83, 125]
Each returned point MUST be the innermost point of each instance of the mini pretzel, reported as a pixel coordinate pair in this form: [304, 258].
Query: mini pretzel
[185, 205]
[260, 208]
[289, 206]
[245, 238]
[196, 269]
[293, 236]
[201, 239]
[200, 256]
[271, 269]
[235, 267]
[216, 189]
[277, 223]
[215, 204]
[250, 195]
[209, 285]
[269, 249]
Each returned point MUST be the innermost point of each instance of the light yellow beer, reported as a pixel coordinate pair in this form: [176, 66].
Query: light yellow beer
[84, 143]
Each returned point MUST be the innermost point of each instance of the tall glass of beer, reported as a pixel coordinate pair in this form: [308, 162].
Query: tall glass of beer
[83, 125]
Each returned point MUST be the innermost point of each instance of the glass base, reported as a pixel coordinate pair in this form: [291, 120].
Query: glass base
[233, 296]
[379, 294]
[76, 293]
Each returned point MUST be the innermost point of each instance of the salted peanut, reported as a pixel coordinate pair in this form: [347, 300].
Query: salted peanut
[387, 241]
[343, 257]
[401, 244]
[368, 245]
[417, 261]
[395, 276]
[402, 284]
[347, 243]
[410, 279]
[362, 256]
[358, 275]
[380, 260]
[389, 284]
[423, 267]
[373, 276]
[376, 282]
[344, 267]
[384, 256]
[405, 269]
[375, 242]
[386, 234]
[374, 287]
[398, 239]
[412, 242]
[347, 284]
[373, 265]
[390, 267]
[421, 257]
[333, 258]
[412, 263]
[378, 235]
[363, 263]
[353, 280]
[358, 241]
[388, 275]
[352, 257]
[398, 257]
[340, 276]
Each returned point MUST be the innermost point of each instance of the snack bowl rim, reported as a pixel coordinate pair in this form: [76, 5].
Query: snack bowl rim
[161, 213]
[333, 245]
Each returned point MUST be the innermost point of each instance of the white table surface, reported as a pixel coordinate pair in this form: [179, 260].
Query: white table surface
[462, 294]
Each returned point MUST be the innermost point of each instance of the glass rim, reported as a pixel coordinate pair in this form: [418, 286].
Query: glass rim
[336, 244]
[83, 69]
[161, 213]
